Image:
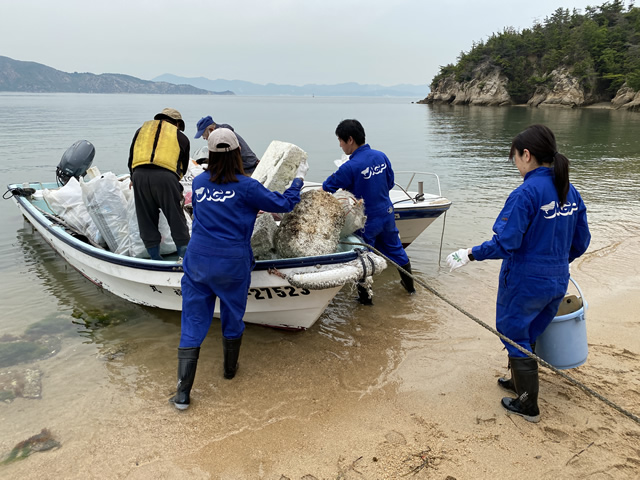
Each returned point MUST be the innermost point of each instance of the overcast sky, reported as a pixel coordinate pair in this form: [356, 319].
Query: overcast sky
[262, 41]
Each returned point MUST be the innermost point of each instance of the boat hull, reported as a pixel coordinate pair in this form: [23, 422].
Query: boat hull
[271, 301]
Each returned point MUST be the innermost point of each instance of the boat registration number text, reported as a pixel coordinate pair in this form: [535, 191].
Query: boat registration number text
[266, 293]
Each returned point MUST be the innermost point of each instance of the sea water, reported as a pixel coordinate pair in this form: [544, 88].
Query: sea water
[93, 350]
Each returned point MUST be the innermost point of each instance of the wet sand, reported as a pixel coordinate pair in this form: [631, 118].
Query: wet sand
[407, 386]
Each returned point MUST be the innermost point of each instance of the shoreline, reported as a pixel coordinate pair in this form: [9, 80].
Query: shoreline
[380, 407]
[594, 106]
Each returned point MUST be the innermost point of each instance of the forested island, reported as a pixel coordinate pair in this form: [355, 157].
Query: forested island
[571, 59]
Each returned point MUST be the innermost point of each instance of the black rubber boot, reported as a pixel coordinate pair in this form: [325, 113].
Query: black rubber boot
[363, 296]
[187, 363]
[507, 383]
[525, 378]
[405, 280]
[231, 352]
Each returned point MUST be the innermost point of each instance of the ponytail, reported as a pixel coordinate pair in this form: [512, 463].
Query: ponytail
[541, 143]
[561, 176]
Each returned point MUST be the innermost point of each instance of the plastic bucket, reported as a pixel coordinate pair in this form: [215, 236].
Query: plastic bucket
[564, 342]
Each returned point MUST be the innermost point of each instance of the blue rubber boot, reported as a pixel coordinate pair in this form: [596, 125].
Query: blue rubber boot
[154, 253]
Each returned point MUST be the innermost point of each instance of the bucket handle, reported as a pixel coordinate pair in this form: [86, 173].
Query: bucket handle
[584, 302]
[577, 286]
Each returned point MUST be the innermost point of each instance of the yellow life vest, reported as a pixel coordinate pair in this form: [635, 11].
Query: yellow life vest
[157, 144]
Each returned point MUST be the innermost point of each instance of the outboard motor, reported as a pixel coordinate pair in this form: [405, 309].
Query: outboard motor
[75, 161]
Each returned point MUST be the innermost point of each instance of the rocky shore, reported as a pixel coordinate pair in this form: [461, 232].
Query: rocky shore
[489, 87]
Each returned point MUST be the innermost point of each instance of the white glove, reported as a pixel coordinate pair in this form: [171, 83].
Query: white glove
[302, 169]
[458, 259]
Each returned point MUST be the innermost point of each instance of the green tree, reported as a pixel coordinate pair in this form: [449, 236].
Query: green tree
[601, 47]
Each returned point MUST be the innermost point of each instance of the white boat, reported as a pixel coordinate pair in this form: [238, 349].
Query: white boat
[274, 298]
[414, 210]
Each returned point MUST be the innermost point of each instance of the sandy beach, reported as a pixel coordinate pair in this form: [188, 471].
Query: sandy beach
[404, 389]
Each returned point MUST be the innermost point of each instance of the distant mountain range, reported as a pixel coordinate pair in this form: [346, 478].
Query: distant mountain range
[18, 76]
[351, 89]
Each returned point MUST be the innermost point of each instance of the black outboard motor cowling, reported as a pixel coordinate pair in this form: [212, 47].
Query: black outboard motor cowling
[75, 161]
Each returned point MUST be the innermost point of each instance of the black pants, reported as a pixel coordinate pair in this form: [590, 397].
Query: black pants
[156, 189]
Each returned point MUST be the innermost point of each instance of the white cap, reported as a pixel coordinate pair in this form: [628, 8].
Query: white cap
[222, 140]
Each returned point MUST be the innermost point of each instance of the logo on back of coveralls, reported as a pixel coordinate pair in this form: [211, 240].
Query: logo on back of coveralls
[551, 209]
[369, 172]
[203, 194]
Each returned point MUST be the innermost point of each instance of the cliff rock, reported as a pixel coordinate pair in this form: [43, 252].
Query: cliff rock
[564, 91]
[627, 98]
[487, 87]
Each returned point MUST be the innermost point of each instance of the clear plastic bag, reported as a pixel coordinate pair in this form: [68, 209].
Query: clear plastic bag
[107, 206]
[67, 203]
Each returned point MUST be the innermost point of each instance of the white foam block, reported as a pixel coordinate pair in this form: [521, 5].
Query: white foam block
[278, 165]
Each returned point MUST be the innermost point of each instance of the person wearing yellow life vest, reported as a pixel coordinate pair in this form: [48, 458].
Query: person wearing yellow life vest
[158, 158]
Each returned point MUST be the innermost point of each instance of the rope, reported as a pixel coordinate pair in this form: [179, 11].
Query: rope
[444, 222]
[18, 192]
[529, 354]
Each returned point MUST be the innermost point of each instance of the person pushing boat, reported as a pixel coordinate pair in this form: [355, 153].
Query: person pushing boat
[369, 176]
[219, 259]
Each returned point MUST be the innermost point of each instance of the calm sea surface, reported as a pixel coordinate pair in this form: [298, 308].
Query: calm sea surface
[45, 302]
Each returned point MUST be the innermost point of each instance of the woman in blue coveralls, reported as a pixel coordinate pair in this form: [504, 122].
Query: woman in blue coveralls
[219, 258]
[369, 176]
[540, 230]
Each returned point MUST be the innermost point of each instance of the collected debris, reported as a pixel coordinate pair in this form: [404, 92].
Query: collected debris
[353, 210]
[103, 209]
[105, 200]
[278, 166]
[263, 238]
[312, 228]
[67, 202]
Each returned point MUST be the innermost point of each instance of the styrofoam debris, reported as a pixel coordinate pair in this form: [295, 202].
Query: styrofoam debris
[312, 228]
[262, 239]
[278, 165]
[354, 212]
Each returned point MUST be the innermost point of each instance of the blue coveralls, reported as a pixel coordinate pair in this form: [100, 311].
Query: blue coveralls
[219, 258]
[537, 238]
[369, 176]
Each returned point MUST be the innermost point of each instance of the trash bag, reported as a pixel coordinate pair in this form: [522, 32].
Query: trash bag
[107, 206]
[67, 203]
